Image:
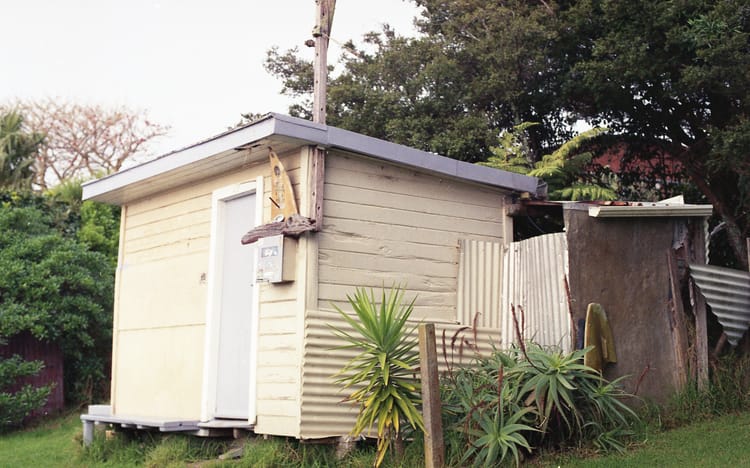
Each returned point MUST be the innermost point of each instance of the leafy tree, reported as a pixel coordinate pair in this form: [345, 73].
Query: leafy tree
[55, 288]
[476, 68]
[672, 76]
[667, 78]
[18, 150]
[99, 227]
[566, 170]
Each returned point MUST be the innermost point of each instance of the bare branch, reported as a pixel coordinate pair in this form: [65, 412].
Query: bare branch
[85, 141]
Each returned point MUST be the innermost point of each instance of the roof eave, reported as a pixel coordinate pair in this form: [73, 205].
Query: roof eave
[276, 126]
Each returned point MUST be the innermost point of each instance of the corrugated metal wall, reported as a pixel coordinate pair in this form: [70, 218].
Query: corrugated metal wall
[323, 412]
[530, 275]
[479, 279]
[727, 291]
[533, 279]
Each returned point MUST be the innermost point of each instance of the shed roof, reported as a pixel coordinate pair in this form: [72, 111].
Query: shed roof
[248, 144]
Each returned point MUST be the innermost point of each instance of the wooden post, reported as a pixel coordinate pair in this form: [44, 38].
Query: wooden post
[321, 33]
[697, 254]
[434, 450]
[677, 323]
[317, 180]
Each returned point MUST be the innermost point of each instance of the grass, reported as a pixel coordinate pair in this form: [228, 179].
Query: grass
[51, 443]
[721, 441]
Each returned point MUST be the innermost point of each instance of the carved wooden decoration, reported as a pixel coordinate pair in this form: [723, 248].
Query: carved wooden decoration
[283, 205]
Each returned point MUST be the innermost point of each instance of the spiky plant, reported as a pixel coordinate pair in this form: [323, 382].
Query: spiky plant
[382, 374]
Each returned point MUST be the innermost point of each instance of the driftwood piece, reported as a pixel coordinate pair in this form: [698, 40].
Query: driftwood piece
[293, 226]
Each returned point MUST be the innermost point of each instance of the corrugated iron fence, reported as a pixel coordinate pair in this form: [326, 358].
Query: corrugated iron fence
[528, 277]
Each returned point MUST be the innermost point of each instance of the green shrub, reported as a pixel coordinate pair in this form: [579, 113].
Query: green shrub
[525, 397]
[16, 405]
[383, 372]
[56, 289]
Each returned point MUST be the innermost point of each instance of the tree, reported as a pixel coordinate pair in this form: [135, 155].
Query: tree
[566, 170]
[18, 150]
[665, 77]
[55, 288]
[84, 141]
[672, 76]
[446, 91]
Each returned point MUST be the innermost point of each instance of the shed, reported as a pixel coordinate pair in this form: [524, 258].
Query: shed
[199, 344]
[630, 257]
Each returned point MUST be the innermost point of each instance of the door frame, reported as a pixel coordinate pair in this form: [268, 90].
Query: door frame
[213, 300]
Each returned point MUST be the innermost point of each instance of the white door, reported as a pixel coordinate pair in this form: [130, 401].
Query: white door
[236, 309]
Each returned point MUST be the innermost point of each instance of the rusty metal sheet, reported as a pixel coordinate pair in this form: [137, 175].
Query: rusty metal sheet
[727, 291]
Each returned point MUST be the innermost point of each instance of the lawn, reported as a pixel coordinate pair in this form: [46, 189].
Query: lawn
[724, 441]
[53, 443]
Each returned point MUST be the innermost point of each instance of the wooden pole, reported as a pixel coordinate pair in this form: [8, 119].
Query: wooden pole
[321, 33]
[677, 323]
[697, 255]
[434, 449]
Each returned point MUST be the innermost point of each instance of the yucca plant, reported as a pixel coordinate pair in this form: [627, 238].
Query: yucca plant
[382, 374]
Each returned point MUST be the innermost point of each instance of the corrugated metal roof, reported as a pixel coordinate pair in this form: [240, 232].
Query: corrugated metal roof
[248, 144]
[727, 291]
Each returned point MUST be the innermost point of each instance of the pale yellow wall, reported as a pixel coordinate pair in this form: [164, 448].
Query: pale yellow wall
[384, 224]
[160, 308]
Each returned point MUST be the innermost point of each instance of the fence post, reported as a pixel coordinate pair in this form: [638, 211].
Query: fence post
[434, 449]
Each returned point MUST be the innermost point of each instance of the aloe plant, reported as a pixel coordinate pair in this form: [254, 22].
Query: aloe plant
[382, 374]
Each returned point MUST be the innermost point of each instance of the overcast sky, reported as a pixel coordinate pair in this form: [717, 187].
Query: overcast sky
[193, 65]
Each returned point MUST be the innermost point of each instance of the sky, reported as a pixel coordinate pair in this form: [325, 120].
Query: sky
[193, 65]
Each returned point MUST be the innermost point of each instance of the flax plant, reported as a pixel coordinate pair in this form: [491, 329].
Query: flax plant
[382, 374]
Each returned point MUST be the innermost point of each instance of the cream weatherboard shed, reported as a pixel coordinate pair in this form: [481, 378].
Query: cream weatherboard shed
[199, 344]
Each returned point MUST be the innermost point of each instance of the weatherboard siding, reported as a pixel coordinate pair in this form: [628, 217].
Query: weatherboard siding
[160, 308]
[383, 225]
[388, 225]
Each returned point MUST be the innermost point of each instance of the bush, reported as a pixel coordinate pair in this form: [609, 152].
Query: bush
[528, 396]
[16, 404]
[383, 372]
[727, 391]
[56, 289]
